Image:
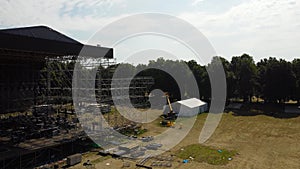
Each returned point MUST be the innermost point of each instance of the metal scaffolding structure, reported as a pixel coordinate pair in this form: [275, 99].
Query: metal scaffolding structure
[137, 90]
[37, 73]
[55, 82]
[18, 79]
[36, 82]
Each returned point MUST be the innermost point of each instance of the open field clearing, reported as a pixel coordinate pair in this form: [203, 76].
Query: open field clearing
[260, 141]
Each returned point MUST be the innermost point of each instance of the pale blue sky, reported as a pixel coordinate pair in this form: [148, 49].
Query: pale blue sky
[261, 28]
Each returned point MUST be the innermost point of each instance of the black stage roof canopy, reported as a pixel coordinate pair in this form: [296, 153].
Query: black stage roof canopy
[46, 41]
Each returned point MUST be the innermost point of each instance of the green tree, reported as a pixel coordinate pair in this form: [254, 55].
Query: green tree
[244, 72]
[230, 79]
[201, 77]
[277, 79]
[296, 70]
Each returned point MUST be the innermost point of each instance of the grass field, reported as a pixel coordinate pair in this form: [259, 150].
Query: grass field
[200, 153]
[261, 141]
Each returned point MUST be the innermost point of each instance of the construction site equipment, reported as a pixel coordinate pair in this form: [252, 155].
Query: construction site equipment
[126, 164]
[120, 153]
[147, 139]
[153, 146]
[74, 159]
[137, 154]
[143, 166]
[129, 147]
[103, 152]
[167, 123]
[170, 116]
[161, 164]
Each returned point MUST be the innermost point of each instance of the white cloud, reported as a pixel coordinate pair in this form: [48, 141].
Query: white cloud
[259, 27]
[64, 15]
[196, 2]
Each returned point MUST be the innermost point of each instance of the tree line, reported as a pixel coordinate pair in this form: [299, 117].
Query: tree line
[272, 80]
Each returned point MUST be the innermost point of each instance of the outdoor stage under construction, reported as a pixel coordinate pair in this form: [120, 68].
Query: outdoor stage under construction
[38, 123]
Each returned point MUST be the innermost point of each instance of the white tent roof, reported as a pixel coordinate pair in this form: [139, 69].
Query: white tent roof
[192, 103]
